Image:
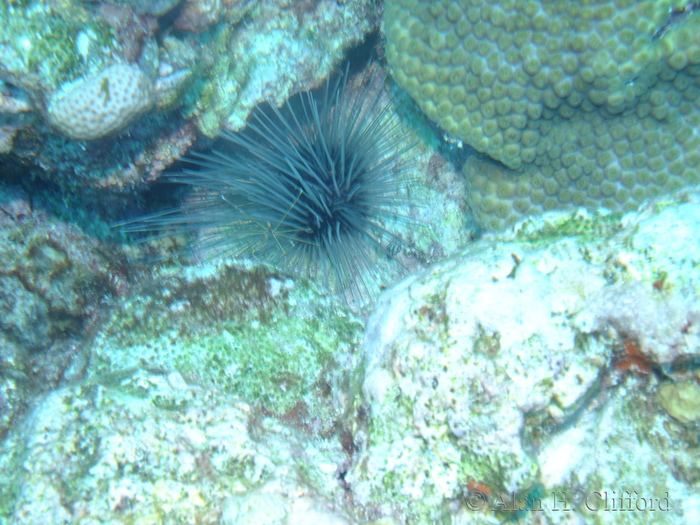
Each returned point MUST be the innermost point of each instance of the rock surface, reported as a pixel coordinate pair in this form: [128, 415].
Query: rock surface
[513, 380]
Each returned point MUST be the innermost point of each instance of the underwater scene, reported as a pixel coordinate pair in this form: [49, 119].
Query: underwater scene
[373, 262]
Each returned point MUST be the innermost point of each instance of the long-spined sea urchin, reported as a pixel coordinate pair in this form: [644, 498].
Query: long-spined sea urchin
[306, 187]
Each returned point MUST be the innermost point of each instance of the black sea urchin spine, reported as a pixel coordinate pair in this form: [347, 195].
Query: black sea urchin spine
[306, 188]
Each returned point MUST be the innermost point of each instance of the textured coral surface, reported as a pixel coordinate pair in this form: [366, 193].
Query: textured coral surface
[561, 359]
[580, 103]
[104, 104]
[149, 448]
[510, 366]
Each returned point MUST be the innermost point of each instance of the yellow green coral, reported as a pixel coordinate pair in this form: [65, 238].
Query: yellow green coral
[681, 400]
[589, 103]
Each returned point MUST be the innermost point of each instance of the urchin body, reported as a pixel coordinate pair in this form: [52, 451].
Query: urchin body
[305, 187]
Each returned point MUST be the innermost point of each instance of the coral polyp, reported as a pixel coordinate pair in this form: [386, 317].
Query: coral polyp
[307, 187]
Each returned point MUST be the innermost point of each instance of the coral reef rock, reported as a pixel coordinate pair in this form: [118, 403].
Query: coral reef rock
[531, 373]
[53, 280]
[149, 448]
[91, 68]
[274, 342]
[526, 368]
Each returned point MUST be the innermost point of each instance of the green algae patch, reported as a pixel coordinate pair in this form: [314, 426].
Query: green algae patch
[586, 226]
[248, 331]
[284, 367]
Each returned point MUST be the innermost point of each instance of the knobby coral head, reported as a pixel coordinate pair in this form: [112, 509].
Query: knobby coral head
[307, 187]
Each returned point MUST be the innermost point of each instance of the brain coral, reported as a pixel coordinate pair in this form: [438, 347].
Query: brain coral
[590, 103]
